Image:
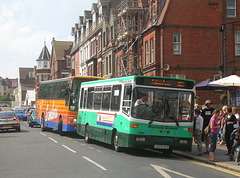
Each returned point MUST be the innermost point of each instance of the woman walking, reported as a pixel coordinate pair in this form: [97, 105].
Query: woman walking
[214, 125]
[230, 121]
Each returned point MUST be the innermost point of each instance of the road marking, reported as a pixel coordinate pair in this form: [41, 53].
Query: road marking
[83, 144]
[217, 168]
[43, 134]
[75, 141]
[99, 151]
[52, 140]
[96, 164]
[69, 149]
[162, 170]
[91, 148]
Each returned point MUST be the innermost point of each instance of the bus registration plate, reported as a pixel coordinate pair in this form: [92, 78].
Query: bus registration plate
[165, 147]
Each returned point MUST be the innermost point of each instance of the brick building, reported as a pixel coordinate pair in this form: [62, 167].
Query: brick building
[196, 40]
[61, 64]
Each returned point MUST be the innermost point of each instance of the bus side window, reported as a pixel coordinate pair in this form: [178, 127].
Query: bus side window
[116, 97]
[81, 99]
[97, 98]
[85, 99]
[127, 96]
[90, 98]
[106, 98]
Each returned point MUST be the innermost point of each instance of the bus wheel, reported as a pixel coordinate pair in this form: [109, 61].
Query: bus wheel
[60, 127]
[115, 141]
[43, 128]
[87, 139]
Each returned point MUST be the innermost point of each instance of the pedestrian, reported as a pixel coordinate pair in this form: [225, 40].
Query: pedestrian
[214, 125]
[198, 125]
[234, 111]
[222, 128]
[229, 121]
[207, 114]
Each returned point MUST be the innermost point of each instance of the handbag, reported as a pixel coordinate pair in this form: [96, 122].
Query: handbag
[207, 130]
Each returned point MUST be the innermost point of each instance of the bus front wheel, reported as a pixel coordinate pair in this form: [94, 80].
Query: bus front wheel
[60, 127]
[43, 128]
[87, 139]
[115, 143]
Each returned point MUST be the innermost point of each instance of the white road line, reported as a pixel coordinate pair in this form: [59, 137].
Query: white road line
[69, 149]
[96, 164]
[52, 140]
[43, 134]
[164, 174]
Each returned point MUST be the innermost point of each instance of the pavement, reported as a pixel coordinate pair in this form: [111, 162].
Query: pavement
[219, 155]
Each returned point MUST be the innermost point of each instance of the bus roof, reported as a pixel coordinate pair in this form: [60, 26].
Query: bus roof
[134, 77]
[70, 78]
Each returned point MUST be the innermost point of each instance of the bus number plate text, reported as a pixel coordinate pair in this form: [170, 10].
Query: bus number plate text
[165, 147]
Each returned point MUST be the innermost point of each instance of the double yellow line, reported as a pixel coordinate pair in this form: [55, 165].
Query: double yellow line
[217, 168]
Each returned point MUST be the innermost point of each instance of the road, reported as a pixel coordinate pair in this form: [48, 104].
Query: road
[32, 153]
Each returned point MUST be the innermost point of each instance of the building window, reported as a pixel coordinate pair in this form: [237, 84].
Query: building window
[31, 74]
[152, 49]
[177, 43]
[45, 64]
[231, 8]
[182, 76]
[68, 62]
[153, 11]
[40, 78]
[237, 43]
[45, 77]
[104, 38]
[39, 65]
[146, 51]
[100, 42]
[217, 77]
[111, 32]
[106, 65]
[110, 64]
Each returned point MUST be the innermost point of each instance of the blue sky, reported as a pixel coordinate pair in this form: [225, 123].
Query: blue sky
[25, 24]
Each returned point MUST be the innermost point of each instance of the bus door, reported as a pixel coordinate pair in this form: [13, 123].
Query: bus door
[83, 104]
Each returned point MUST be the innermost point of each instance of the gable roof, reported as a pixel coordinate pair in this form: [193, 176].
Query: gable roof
[59, 47]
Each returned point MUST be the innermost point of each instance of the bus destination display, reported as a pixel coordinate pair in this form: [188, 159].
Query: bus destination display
[163, 82]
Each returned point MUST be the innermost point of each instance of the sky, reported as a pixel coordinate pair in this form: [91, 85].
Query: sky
[26, 24]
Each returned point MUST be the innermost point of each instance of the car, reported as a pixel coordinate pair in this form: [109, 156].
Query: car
[32, 118]
[5, 105]
[21, 114]
[9, 120]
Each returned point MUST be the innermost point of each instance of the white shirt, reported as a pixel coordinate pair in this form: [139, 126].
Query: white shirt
[237, 124]
[199, 122]
[139, 101]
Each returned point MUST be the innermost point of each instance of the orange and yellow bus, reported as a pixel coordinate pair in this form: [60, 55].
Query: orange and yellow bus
[57, 103]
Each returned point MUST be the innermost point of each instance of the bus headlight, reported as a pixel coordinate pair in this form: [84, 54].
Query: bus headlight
[72, 120]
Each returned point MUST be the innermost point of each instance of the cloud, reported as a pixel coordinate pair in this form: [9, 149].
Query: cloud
[25, 24]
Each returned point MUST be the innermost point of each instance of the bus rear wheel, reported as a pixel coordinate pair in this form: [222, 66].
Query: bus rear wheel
[115, 143]
[87, 139]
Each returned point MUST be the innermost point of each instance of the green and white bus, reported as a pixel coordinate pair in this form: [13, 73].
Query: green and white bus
[108, 112]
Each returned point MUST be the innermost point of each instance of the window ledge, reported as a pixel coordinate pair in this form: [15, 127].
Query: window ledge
[177, 54]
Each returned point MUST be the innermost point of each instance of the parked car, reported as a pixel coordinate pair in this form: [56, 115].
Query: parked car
[4, 105]
[21, 114]
[9, 120]
[32, 118]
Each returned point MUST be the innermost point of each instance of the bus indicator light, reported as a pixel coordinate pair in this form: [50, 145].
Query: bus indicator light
[190, 129]
[134, 125]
